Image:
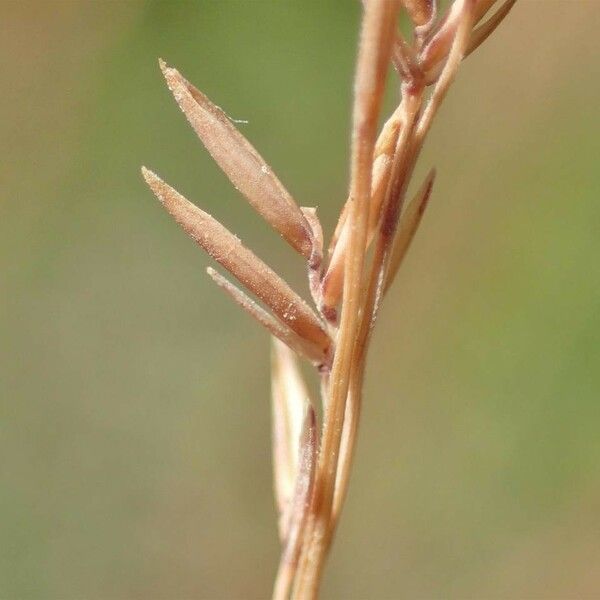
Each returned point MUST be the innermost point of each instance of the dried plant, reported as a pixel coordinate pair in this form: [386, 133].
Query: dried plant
[373, 235]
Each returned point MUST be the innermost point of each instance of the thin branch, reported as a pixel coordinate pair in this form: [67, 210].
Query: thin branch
[402, 166]
[373, 59]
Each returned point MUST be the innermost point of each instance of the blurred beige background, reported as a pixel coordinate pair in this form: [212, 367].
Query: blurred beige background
[135, 452]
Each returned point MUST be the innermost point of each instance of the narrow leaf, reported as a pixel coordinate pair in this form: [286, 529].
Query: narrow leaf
[249, 270]
[239, 160]
[274, 326]
[373, 61]
[409, 223]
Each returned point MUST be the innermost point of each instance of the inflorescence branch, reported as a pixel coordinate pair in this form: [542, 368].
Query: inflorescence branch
[373, 235]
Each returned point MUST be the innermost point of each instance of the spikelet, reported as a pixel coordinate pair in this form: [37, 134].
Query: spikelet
[242, 164]
[249, 270]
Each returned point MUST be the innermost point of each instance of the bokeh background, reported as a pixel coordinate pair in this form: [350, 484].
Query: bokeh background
[134, 397]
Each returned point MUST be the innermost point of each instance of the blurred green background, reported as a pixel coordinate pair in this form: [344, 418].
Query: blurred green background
[135, 451]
